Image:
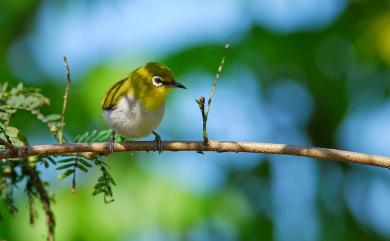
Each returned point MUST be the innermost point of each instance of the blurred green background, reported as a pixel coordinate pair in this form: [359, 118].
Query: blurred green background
[310, 72]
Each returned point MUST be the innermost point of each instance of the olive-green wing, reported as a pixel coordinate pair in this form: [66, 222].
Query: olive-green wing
[115, 93]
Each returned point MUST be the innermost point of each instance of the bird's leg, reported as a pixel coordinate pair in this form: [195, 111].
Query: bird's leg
[111, 141]
[157, 139]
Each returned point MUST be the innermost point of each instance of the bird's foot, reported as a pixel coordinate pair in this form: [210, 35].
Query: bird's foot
[157, 140]
[111, 142]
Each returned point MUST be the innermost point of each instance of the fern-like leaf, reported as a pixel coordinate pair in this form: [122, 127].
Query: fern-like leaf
[105, 181]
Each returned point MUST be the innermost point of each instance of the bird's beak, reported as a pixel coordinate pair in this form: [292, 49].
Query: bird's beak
[177, 85]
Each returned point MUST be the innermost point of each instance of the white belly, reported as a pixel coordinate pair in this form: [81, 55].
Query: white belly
[130, 119]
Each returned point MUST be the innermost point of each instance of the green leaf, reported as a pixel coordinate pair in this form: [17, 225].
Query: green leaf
[96, 192]
[65, 174]
[51, 160]
[66, 166]
[94, 136]
[3, 87]
[10, 111]
[53, 117]
[101, 163]
[99, 185]
[41, 117]
[104, 182]
[81, 138]
[93, 133]
[112, 181]
[103, 135]
[85, 162]
[81, 167]
[45, 164]
[12, 131]
[71, 159]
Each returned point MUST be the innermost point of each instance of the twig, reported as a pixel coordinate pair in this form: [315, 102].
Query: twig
[67, 88]
[74, 176]
[198, 146]
[201, 100]
[219, 71]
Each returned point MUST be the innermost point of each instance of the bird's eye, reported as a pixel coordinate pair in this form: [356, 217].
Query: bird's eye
[157, 81]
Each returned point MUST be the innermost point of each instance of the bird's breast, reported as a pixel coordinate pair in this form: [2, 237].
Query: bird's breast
[131, 119]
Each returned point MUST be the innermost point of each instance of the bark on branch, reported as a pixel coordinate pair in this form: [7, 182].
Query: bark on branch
[198, 146]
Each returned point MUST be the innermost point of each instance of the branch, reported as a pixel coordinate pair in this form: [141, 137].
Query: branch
[201, 100]
[67, 88]
[198, 146]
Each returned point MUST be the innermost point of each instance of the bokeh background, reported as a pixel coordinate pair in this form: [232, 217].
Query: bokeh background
[310, 72]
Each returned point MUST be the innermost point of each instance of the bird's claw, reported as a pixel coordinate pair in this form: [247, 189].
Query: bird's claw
[157, 140]
[111, 142]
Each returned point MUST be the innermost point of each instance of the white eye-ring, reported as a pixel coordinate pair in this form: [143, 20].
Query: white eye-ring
[157, 81]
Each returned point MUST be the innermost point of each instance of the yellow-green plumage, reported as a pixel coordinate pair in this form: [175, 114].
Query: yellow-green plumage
[139, 85]
[134, 106]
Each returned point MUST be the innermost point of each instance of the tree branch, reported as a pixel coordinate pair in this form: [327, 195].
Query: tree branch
[199, 146]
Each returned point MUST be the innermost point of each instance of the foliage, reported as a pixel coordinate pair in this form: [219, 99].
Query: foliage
[105, 181]
[97, 136]
[13, 99]
[14, 172]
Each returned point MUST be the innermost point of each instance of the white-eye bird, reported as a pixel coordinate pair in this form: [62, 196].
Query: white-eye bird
[134, 106]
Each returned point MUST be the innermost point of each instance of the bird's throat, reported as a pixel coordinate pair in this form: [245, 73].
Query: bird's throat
[152, 103]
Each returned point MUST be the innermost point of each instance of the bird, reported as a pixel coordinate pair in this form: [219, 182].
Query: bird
[134, 106]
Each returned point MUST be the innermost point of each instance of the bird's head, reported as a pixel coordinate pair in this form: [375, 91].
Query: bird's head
[152, 82]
